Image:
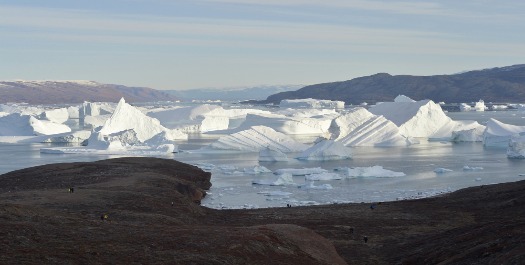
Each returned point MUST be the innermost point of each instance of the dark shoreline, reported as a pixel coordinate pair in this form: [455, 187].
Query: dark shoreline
[153, 216]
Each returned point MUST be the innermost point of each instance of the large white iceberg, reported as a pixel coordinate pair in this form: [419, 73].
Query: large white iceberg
[359, 127]
[17, 124]
[126, 117]
[326, 150]
[498, 134]
[55, 115]
[414, 119]
[256, 139]
[480, 106]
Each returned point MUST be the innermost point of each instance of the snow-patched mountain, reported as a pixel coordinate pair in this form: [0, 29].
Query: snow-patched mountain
[75, 91]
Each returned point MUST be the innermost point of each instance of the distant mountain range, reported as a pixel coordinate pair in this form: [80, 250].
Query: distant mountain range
[239, 93]
[53, 92]
[503, 84]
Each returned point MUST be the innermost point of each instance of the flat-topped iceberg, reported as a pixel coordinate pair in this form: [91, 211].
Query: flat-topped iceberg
[359, 127]
[374, 171]
[326, 150]
[17, 124]
[256, 139]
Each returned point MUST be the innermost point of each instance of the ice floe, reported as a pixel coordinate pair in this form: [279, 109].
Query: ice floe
[441, 170]
[300, 171]
[323, 176]
[373, 171]
[326, 150]
[280, 180]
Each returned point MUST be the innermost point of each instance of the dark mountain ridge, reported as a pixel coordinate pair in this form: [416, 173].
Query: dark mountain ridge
[55, 92]
[502, 84]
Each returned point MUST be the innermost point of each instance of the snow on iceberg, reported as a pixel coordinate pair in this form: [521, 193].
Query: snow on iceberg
[270, 155]
[359, 127]
[480, 106]
[498, 134]
[326, 150]
[414, 119]
[311, 103]
[55, 115]
[374, 171]
[126, 117]
[256, 139]
[459, 131]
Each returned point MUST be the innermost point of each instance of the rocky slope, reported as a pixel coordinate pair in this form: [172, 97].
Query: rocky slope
[145, 210]
[59, 92]
[505, 84]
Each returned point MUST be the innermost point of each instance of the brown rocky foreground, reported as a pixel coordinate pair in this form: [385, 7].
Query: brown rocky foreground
[146, 211]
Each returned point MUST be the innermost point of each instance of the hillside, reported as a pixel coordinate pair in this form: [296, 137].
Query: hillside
[145, 211]
[242, 93]
[54, 92]
[505, 84]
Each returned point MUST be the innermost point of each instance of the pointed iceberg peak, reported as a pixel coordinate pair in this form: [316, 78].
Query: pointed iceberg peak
[121, 101]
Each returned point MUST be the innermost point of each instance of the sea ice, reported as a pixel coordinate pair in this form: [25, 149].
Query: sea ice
[311, 186]
[469, 168]
[281, 180]
[441, 170]
[257, 170]
[323, 176]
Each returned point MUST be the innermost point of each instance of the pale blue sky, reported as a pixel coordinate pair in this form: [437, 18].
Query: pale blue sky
[178, 44]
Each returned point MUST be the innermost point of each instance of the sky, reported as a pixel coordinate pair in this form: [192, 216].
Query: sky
[185, 44]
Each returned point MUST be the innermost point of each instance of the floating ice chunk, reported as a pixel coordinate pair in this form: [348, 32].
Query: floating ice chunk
[227, 167]
[326, 150]
[281, 180]
[516, 148]
[465, 107]
[498, 133]
[300, 171]
[269, 155]
[311, 103]
[441, 170]
[25, 125]
[257, 170]
[414, 119]
[374, 171]
[205, 166]
[256, 139]
[168, 148]
[480, 106]
[323, 176]
[468, 135]
[359, 127]
[310, 186]
[469, 168]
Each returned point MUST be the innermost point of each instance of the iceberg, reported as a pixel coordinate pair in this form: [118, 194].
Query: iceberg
[17, 124]
[323, 176]
[310, 186]
[359, 127]
[441, 170]
[374, 171]
[256, 139]
[465, 107]
[498, 134]
[459, 131]
[414, 119]
[270, 155]
[403, 98]
[300, 171]
[74, 137]
[127, 117]
[469, 135]
[56, 115]
[480, 106]
[281, 180]
[257, 170]
[326, 150]
[516, 148]
[311, 103]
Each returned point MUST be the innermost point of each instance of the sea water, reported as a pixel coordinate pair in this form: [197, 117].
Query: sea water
[233, 188]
